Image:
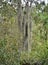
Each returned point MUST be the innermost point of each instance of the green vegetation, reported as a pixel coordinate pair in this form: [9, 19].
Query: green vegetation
[11, 38]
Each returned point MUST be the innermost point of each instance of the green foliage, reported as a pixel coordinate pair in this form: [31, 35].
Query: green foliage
[39, 52]
[8, 53]
[11, 38]
[7, 11]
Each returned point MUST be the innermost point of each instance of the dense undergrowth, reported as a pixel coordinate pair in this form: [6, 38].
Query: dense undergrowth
[10, 39]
